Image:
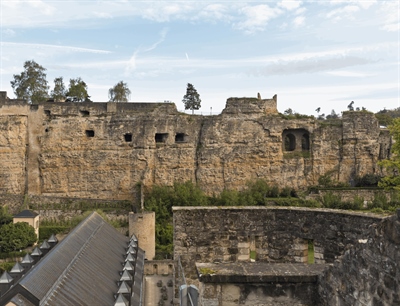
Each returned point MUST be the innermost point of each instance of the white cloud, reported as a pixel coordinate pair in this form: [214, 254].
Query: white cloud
[343, 12]
[346, 73]
[214, 12]
[289, 4]
[390, 11]
[257, 17]
[163, 34]
[8, 33]
[58, 47]
[299, 21]
[365, 4]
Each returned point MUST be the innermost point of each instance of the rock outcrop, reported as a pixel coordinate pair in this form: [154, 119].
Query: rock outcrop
[103, 150]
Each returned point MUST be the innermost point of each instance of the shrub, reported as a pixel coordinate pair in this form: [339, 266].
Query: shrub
[330, 200]
[16, 236]
[368, 180]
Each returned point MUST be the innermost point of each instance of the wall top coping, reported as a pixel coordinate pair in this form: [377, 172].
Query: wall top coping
[250, 272]
[278, 208]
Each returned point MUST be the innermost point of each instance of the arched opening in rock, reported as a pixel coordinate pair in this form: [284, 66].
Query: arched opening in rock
[290, 142]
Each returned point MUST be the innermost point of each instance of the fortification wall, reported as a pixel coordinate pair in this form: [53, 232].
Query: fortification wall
[102, 150]
[368, 272]
[275, 235]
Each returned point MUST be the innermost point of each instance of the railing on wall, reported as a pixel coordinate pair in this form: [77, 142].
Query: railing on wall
[188, 295]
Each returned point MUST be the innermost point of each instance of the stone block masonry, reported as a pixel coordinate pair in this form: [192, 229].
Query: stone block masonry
[281, 235]
[369, 272]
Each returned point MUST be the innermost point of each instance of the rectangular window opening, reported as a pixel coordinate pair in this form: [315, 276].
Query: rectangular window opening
[89, 133]
[310, 256]
[180, 137]
[161, 137]
[84, 112]
[128, 137]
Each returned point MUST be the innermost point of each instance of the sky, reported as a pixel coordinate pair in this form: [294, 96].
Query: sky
[312, 54]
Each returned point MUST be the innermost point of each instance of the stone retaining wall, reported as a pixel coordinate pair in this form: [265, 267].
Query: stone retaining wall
[231, 234]
[368, 273]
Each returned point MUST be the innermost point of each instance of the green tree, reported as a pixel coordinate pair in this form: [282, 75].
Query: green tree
[119, 93]
[192, 99]
[77, 91]
[5, 217]
[16, 236]
[59, 92]
[31, 84]
[392, 165]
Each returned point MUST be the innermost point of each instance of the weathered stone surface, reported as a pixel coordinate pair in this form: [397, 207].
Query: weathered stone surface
[368, 272]
[277, 239]
[102, 150]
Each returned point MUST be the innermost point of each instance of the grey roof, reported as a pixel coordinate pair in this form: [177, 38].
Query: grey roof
[45, 245]
[126, 276]
[121, 301]
[36, 252]
[26, 214]
[5, 278]
[52, 239]
[27, 259]
[83, 269]
[17, 268]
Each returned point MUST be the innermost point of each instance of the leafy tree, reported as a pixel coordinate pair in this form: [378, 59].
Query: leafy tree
[333, 115]
[59, 92]
[77, 91]
[160, 199]
[16, 236]
[119, 93]
[192, 98]
[392, 166]
[288, 112]
[5, 217]
[31, 84]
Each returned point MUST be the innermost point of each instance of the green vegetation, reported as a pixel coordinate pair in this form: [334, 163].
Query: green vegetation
[31, 84]
[310, 258]
[63, 226]
[191, 99]
[385, 117]
[160, 199]
[205, 271]
[392, 166]
[119, 93]
[16, 236]
[6, 266]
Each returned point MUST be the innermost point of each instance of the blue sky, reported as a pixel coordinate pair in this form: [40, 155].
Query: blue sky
[310, 53]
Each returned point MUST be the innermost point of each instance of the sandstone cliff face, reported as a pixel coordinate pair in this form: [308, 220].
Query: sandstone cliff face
[102, 150]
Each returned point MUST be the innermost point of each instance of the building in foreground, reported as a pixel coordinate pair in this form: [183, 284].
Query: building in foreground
[93, 265]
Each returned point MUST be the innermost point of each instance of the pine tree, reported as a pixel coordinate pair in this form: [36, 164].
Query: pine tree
[192, 99]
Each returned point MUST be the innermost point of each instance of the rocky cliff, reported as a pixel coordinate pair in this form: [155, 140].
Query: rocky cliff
[102, 150]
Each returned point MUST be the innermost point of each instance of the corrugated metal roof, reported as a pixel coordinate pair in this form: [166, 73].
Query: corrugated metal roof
[81, 270]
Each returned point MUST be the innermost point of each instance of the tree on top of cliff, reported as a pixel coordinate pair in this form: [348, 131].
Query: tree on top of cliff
[192, 99]
[392, 165]
[119, 93]
[77, 91]
[59, 92]
[31, 84]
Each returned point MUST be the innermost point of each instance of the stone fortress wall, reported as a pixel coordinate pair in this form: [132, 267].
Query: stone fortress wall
[275, 235]
[356, 255]
[103, 150]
